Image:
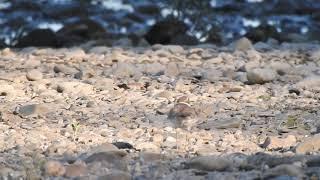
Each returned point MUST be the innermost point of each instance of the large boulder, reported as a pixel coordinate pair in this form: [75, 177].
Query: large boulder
[163, 32]
[39, 38]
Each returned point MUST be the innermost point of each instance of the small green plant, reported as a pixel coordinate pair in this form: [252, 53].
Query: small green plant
[75, 128]
[264, 97]
[292, 122]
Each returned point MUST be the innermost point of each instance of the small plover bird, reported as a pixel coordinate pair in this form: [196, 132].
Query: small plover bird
[183, 116]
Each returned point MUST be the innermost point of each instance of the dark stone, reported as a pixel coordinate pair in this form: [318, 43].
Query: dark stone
[184, 39]
[39, 38]
[110, 159]
[165, 31]
[81, 31]
[123, 145]
[215, 36]
[293, 90]
[263, 33]
[148, 9]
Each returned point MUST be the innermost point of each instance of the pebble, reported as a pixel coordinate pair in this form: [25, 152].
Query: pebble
[310, 83]
[243, 44]
[60, 68]
[209, 163]
[172, 69]
[275, 143]
[54, 168]
[310, 144]
[222, 123]
[34, 75]
[147, 147]
[32, 109]
[154, 69]
[285, 169]
[112, 159]
[76, 170]
[118, 175]
[261, 75]
[75, 88]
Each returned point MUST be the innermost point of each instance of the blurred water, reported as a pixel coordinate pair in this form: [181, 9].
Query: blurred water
[23, 15]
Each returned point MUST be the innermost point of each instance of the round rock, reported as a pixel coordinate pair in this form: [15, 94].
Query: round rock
[34, 75]
[261, 75]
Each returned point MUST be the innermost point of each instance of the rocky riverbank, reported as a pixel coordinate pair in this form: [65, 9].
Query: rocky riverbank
[102, 112]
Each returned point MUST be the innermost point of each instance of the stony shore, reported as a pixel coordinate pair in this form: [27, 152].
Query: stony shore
[102, 112]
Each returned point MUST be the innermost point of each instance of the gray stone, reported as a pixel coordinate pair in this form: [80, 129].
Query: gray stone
[261, 75]
[153, 69]
[31, 109]
[172, 69]
[34, 75]
[284, 169]
[310, 83]
[122, 69]
[75, 88]
[243, 44]
[222, 123]
[116, 175]
[310, 144]
[60, 68]
[54, 168]
[110, 159]
[210, 163]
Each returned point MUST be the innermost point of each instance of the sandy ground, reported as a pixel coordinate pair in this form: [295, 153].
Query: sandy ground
[161, 112]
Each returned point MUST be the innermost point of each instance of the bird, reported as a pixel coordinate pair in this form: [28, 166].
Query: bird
[182, 116]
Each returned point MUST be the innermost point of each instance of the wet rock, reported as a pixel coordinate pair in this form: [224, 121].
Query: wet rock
[215, 36]
[260, 75]
[310, 144]
[122, 42]
[184, 39]
[80, 31]
[243, 44]
[209, 163]
[39, 38]
[274, 143]
[148, 8]
[76, 170]
[263, 33]
[34, 75]
[163, 32]
[54, 168]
